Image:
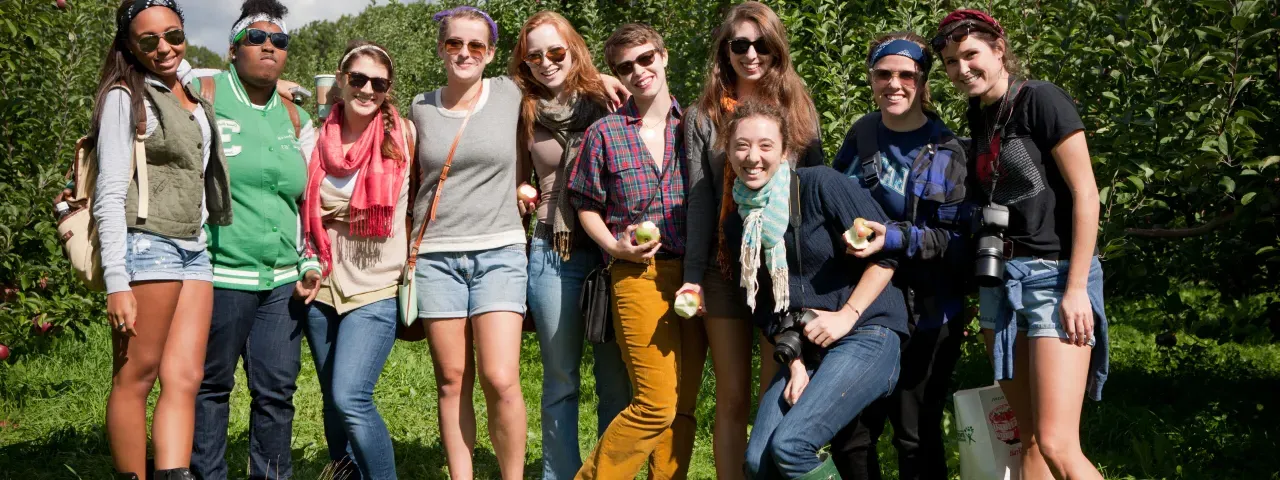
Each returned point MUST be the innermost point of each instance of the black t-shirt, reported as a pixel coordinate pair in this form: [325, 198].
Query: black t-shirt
[1029, 182]
[825, 276]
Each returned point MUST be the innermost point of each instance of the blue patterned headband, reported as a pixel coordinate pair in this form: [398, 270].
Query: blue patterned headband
[493, 26]
[904, 48]
[127, 16]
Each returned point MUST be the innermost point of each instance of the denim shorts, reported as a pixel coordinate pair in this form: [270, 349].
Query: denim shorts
[149, 257]
[466, 284]
[1039, 316]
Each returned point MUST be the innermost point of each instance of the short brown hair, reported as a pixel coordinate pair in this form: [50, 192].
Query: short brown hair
[630, 35]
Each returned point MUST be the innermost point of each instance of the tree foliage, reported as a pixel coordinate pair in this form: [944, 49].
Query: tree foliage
[1180, 99]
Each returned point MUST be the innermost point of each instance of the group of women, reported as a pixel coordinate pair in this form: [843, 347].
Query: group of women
[251, 228]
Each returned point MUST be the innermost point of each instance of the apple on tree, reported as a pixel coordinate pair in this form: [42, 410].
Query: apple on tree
[4, 352]
[859, 236]
[646, 232]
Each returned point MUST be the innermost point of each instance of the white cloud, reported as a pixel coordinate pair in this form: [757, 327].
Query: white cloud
[209, 21]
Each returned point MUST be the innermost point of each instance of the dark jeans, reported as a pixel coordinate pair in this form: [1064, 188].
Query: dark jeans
[915, 409]
[265, 328]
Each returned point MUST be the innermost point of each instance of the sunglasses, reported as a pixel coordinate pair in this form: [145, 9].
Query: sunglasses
[958, 35]
[150, 42]
[255, 37]
[908, 77]
[358, 80]
[628, 67]
[739, 46]
[453, 46]
[554, 54]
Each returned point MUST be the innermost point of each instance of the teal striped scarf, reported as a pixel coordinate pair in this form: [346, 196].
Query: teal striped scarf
[765, 213]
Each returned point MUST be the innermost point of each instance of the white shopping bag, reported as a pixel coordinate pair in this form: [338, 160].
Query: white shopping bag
[987, 432]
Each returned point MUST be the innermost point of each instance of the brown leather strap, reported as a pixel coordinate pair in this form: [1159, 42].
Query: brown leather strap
[444, 174]
[208, 89]
[290, 107]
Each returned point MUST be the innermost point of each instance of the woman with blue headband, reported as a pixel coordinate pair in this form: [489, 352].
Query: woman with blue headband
[915, 169]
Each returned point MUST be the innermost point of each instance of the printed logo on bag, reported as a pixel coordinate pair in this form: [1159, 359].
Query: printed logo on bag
[965, 435]
[1005, 424]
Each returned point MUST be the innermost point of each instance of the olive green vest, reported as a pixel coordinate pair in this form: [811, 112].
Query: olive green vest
[177, 178]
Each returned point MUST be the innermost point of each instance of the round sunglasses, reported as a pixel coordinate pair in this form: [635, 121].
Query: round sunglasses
[739, 46]
[453, 46]
[628, 67]
[150, 42]
[255, 37]
[554, 54]
[358, 80]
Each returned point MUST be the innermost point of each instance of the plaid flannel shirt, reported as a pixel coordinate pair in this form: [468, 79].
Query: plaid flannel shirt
[615, 175]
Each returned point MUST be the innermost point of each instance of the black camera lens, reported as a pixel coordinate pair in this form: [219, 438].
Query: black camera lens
[988, 262]
[787, 347]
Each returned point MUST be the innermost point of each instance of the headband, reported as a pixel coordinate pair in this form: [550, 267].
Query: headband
[365, 48]
[493, 27]
[904, 48]
[968, 14]
[237, 31]
[127, 16]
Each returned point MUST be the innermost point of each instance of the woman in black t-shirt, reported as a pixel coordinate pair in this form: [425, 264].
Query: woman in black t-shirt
[1030, 156]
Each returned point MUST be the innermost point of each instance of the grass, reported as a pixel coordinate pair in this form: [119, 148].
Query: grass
[1197, 410]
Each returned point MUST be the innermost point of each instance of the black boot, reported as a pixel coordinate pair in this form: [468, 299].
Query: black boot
[175, 474]
[127, 476]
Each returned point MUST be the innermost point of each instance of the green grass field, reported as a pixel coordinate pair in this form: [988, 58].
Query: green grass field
[1198, 410]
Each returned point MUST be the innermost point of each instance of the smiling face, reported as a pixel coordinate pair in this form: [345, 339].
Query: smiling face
[363, 101]
[973, 66]
[645, 82]
[752, 65]
[896, 95]
[260, 65]
[465, 64]
[546, 42]
[756, 150]
[164, 60]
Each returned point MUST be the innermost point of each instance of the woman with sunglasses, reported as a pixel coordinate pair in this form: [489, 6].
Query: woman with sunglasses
[1048, 341]
[563, 95]
[258, 267]
[156, 267]
[357, 197]
[915, 169]
[750, 58]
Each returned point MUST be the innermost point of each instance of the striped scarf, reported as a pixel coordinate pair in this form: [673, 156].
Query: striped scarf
[765, 213]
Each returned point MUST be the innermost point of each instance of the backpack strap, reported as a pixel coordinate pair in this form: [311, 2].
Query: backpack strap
[292, 108]
[866, 132]
[208, 89]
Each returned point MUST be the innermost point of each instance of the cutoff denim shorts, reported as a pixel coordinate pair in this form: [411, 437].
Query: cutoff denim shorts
[1039, 316]
[466, 284]
[149, 257]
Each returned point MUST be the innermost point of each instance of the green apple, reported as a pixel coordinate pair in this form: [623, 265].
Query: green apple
[687, 303]
[646, 232]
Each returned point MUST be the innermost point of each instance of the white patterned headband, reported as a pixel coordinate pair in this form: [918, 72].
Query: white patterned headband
[365, 48]
[239, 28]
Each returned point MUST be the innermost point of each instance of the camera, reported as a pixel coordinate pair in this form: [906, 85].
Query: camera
[988, 231]
[790, 342]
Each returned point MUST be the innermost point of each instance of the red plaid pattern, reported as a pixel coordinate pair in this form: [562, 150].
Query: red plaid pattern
[616, 175]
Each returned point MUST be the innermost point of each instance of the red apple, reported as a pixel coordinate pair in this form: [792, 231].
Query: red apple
[527, 193]
[62, 4]
[4, 352]
[40, 326]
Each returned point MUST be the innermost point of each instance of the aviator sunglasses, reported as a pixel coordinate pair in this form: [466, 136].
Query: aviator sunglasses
[628, 67]
[453, 46]
[255, 37]
[554, 54]
[357, 80]
[150, 42]
[882, 76]
[958, 34]
[739, 46]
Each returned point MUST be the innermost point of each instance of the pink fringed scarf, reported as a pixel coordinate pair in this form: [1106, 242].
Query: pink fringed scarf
[373, 203]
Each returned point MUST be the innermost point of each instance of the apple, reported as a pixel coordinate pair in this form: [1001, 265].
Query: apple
[62, 4]
[687, 303]
[646, 232]
[526, 193]
[40, 326]
[858, 235]
[4, 352]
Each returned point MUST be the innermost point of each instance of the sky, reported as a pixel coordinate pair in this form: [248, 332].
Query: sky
[208, 22]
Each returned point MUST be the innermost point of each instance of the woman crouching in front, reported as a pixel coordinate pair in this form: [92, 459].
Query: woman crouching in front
[836, 321]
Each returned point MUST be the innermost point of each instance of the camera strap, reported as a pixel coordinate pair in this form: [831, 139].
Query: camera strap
[991, 159]
[795, 220]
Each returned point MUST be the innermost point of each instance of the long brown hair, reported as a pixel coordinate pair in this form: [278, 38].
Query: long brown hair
[121, 67]
[922, 94]
[582, 78]
[381, 57]
[780, 83]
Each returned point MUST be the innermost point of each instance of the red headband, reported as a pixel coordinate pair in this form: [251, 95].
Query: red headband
[968, 14]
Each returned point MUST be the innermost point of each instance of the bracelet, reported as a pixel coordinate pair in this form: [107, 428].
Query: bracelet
[855, 310]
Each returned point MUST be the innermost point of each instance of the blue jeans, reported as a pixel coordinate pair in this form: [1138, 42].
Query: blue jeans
[554, 288]
[350, 351]
[855, 371]
[265, 328]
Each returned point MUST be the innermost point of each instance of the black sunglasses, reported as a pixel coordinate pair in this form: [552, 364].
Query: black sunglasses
[958, 34]
[628, 67]
[357, 80]
[554, 54]
[254, 37]
[740, 46]
[150, 42]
